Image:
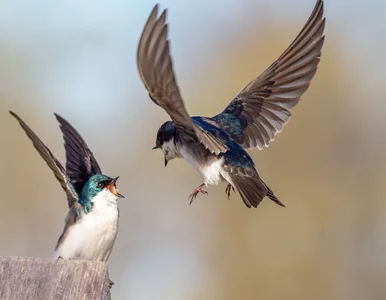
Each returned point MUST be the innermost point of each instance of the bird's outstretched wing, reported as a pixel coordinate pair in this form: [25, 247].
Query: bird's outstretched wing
[262, 108]
[80, 161]
[53, 163]
[155, 67]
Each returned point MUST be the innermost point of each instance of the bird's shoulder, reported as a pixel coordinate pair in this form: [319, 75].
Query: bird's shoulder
[209, 125]
[236, 156]
[230, 120]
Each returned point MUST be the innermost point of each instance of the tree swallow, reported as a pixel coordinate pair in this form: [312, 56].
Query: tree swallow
[216, 146]
[91, 225]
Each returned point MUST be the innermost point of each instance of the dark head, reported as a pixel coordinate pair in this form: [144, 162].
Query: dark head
[165, 141]
[94, 186]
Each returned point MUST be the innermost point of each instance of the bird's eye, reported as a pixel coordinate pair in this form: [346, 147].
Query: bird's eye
[101, 185]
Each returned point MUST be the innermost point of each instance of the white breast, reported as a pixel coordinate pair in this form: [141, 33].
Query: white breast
[94, 236]
[212, 173]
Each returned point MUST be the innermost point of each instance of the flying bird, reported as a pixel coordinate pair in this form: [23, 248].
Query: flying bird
[91, 224]
[215, 146]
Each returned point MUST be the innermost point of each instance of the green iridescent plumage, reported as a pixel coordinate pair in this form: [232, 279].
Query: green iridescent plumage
[90, 190]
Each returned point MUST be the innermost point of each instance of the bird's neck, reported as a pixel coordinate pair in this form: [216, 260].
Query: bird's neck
[86, 203]
[172, 148]
[103, 201]
[100, 201]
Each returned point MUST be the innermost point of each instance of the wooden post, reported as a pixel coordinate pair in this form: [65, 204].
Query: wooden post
[53, 279]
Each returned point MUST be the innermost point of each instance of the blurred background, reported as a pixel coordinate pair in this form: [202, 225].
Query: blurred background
[77, 58]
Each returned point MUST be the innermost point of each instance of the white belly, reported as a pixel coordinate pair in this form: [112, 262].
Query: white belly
[93, 237]
[213, 173]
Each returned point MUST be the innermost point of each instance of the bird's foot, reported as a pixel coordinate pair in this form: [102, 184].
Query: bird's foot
[196, 191]
[228, 190]
[62, 258]
[110, 283]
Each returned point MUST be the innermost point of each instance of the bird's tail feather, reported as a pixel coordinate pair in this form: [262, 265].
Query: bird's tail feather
[252, 190]
[272, 196]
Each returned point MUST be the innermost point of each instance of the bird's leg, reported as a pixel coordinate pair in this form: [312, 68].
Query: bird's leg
[110, 283]
[228, 189]
[196, 191]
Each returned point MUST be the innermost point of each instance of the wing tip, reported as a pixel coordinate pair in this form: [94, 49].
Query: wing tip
[14, 114]
[155, 8]
[154, 13]
[59, 118]
[20, 121]
[62, 122]
[153, 17]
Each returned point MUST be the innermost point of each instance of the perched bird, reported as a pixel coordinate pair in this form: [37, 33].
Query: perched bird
[92, 222]
[216, 146]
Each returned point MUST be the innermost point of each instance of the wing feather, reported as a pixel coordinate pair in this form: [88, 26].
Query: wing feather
[266, 101]
[52, 162]
[155, 67]
[80, 161]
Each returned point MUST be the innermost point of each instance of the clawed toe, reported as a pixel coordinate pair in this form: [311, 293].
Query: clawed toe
[111, 283]
[195, 193]
[228, 190]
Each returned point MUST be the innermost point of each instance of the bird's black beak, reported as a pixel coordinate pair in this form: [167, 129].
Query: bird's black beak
[166, 162]
[113, 188]
[155, 147]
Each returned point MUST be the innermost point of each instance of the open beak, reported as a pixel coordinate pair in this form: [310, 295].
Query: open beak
[113, 188]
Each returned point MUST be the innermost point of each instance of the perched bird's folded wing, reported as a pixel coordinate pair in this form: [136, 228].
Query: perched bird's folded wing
[156, 70]
[80, 161]
[262, 108]
[52, 162]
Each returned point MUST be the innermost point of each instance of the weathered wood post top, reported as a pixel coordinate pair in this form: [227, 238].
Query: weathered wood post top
[53, 279]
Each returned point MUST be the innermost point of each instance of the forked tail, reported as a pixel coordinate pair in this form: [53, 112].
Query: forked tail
[252, 190]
